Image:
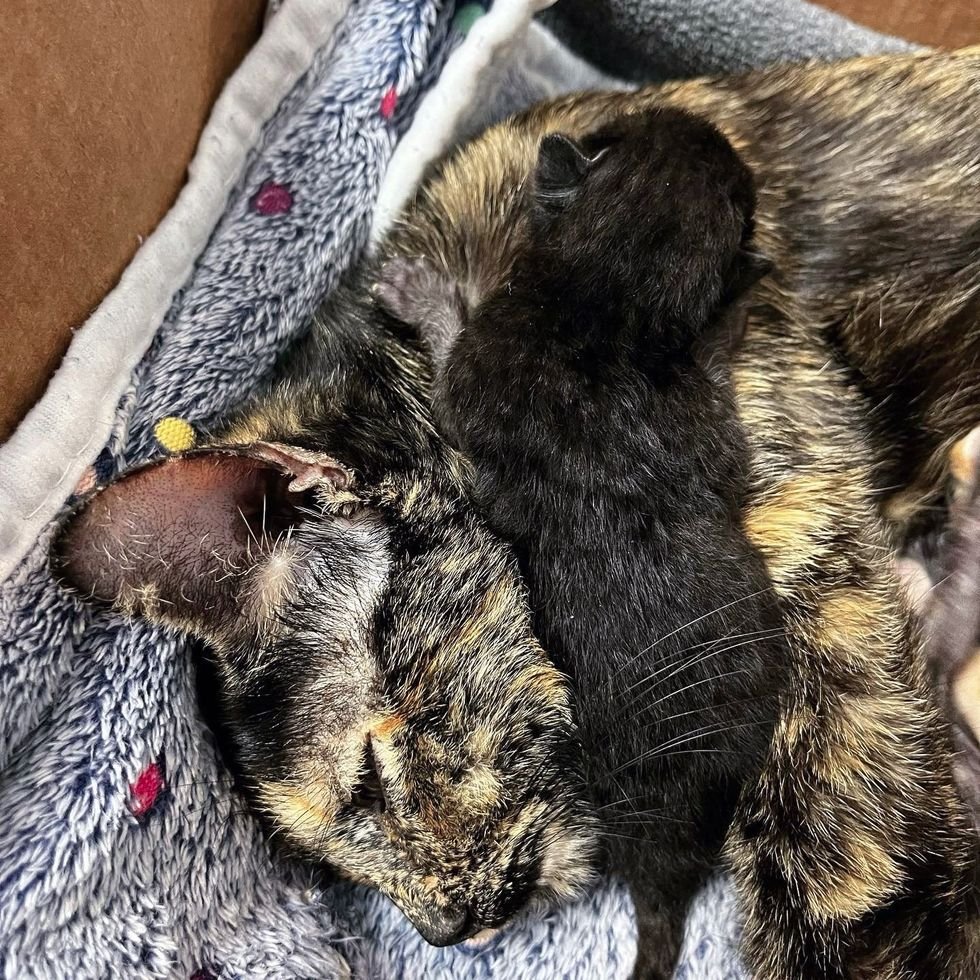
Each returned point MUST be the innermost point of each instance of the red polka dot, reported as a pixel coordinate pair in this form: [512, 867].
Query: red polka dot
[146, 791]
[388, 103]
[272, 198]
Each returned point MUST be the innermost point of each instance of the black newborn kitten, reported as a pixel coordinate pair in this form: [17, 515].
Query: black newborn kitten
[591, 395]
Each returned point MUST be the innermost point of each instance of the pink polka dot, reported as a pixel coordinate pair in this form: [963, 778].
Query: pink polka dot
[147, 789]
[272, 198]
[388, 103]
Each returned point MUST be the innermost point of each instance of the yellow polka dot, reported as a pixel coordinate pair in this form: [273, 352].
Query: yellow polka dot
[174, 434]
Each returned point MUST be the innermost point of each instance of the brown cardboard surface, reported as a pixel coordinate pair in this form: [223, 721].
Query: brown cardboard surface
[940, 23]
[101, 105]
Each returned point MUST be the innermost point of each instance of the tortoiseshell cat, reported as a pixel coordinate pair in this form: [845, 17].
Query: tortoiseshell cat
[860, 367]
[591, 396]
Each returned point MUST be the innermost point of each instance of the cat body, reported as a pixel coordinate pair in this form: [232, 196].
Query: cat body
[857, 372]
[381, 695]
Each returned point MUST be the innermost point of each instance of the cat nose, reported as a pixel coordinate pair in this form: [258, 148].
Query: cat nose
[447, 927]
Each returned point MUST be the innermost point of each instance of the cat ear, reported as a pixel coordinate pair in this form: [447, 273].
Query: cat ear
[308, 468]
[179, 540]
[563, 164]
[747, 268]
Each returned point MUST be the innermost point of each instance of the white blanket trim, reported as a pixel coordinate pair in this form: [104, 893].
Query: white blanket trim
[445, 105]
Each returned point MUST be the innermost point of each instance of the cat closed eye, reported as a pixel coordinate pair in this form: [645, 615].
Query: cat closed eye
[369, 794]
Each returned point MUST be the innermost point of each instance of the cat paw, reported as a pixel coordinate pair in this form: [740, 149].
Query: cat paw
[913, 573]
[929, 559]
[424, 296]
[953, 617]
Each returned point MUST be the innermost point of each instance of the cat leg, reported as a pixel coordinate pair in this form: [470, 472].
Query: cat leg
[662, 891]
[951, 610]
[659, 933]
[953, 613]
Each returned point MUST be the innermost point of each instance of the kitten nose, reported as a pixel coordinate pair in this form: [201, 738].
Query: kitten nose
[447, 927]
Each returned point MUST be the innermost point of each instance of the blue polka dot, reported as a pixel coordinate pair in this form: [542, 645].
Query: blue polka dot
[105, 467]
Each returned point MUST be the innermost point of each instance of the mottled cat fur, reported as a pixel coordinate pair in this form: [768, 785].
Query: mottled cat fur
[860, 367]
[590, 395]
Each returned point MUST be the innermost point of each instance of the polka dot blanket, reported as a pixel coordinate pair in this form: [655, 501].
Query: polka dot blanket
[124, 850]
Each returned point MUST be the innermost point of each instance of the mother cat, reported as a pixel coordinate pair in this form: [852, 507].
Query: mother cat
[858, 369]
[861, 366]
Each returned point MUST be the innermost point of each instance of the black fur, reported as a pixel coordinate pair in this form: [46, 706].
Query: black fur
[608, 450]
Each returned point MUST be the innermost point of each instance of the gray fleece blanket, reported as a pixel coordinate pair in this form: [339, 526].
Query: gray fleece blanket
[123, 848]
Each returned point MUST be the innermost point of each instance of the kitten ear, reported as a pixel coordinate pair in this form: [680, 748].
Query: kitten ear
[563, 164]
[712, 350]
[747, 268]
[179, 540]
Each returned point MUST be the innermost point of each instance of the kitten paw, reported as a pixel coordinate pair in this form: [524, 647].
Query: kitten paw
[953, 616]
[409, 288]
[417, 292]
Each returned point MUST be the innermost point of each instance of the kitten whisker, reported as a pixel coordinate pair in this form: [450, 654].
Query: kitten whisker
[753, 637]
[701, 618]
[705, 709]
[704, 680]
[662, 749]
[640, 817]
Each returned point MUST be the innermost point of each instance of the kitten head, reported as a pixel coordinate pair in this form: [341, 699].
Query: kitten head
[390, 710]
[655, 207]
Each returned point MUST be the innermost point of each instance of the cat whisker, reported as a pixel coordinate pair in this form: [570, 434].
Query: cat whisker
[694, 684]
[248, 527]
[641, 817]
[704, 710]
[700, 658]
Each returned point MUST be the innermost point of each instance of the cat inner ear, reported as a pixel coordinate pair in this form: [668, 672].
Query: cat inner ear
[308, 468]
[181, 540]
[563, 165]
